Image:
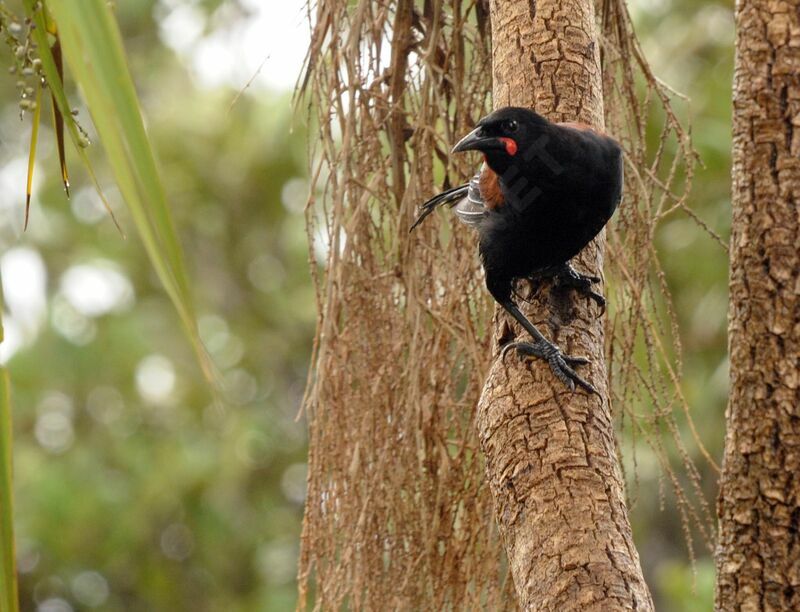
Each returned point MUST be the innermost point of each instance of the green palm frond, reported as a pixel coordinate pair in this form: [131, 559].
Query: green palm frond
[92, 48]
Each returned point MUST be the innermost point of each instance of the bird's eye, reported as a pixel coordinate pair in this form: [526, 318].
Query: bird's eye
[511, 126]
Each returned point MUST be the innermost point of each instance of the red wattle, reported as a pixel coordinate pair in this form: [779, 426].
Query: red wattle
[511, 146]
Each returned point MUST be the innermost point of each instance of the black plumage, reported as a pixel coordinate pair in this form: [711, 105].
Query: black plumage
[544, 192]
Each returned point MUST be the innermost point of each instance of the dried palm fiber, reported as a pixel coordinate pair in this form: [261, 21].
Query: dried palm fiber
[642, 338]
[397, 514]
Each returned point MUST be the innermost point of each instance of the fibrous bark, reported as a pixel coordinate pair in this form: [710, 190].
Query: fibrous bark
[758, 557]
[551, 455]
[397, 515]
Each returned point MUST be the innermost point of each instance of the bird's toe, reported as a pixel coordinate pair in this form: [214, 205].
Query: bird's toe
[561, 365]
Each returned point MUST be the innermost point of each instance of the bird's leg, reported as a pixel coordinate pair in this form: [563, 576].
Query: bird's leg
[567, 276]
[561, 365]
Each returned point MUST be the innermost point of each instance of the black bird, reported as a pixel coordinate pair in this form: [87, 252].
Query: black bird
[544, 192]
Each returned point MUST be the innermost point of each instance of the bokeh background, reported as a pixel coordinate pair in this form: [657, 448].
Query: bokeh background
[134, 491]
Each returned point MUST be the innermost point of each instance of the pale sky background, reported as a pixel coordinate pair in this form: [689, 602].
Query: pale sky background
[275, 33]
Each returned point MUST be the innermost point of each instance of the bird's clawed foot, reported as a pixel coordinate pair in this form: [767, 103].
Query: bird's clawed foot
[569, 277]
[561, 365]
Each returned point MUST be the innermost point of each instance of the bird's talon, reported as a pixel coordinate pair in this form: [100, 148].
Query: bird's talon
[575, 361]
[599, 300]
[569, 278]
[507, 348]
[560, 364]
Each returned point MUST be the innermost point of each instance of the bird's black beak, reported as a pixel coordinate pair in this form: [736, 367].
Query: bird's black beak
[476, 140]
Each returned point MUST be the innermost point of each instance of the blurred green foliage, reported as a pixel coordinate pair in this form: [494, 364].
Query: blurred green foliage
[689, 43]
[134, 491]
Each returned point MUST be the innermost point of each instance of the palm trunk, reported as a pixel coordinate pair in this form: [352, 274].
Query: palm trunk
[758, 558]
[551, 455]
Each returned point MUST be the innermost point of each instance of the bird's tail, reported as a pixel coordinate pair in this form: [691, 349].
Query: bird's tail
[450, 197]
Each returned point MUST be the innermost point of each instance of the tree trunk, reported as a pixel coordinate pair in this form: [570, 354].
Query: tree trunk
[758, 557]
[551, 455]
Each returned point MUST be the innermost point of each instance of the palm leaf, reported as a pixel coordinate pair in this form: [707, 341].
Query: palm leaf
[58, 118]
[37, 115]
[52, 72]
[92, 47]
[8, 575]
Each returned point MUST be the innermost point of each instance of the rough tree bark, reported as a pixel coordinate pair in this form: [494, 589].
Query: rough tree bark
[758, 557]
[551, 455]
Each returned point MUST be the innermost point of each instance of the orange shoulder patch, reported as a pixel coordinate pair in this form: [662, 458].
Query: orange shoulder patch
[489, 184]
